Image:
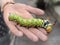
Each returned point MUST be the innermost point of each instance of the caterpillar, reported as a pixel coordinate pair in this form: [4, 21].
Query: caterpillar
[31, 22]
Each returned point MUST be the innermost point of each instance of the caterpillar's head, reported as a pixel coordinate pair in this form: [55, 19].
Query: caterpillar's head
[48, 26]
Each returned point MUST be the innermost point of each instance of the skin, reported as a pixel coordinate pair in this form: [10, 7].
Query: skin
[24, 11]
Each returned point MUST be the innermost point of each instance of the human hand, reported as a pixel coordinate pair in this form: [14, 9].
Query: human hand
[24, 10]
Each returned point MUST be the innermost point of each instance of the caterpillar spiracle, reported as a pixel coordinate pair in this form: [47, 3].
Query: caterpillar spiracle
[31, 22]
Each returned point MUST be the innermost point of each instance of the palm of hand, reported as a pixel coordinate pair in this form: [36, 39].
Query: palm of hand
[24, 11]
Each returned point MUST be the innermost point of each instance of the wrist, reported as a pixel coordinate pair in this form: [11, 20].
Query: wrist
[5, 2]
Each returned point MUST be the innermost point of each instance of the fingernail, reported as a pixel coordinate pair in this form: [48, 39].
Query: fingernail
[45, 38]
[20, 34]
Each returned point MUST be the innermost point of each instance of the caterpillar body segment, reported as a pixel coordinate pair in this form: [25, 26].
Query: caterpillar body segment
[26, 22]
[31, 22]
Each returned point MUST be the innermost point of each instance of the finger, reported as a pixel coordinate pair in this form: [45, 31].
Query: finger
[30, 9]
[35, 10]
[23, 14]
[29, 34]
[24, 30]
[43, 30]
[12, 27]
[39, 34]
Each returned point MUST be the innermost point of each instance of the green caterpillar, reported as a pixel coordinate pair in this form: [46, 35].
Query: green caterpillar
[31, 22]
